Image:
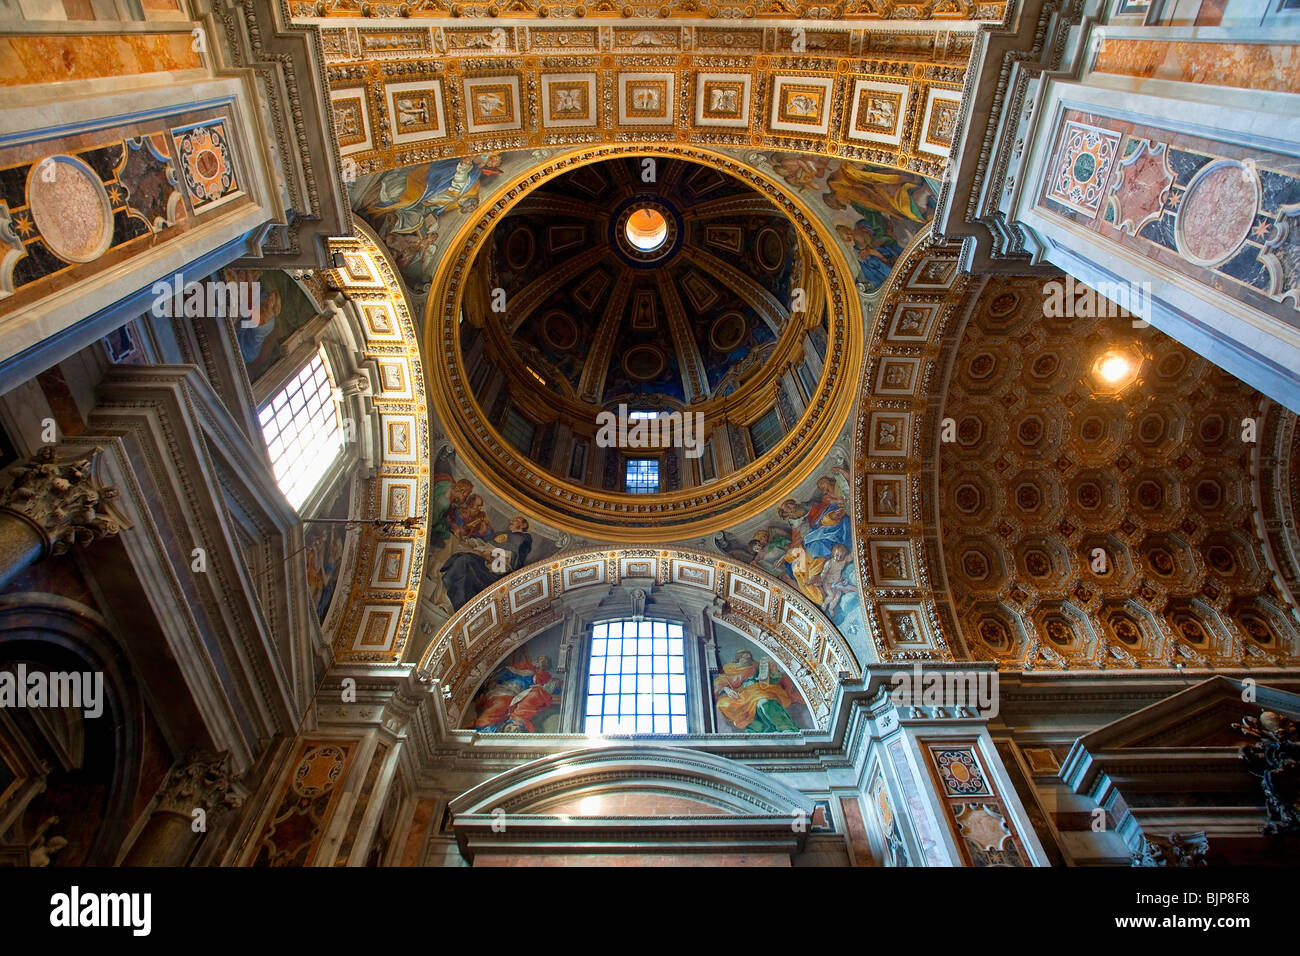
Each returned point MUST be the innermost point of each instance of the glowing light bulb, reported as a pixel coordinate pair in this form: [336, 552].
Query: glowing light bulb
[1113, 368]
[1116, 369]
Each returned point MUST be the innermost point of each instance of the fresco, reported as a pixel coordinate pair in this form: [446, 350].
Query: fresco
[284, 309]
[474, 541]
[875, 211]
[751, 694]
[324, 549]
[806, 541]
[733, 347]
[416, 208]
[523, 694]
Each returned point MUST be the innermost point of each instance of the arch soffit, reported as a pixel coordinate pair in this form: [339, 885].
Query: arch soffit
[772, 615]
[910, 342]
[388, 557]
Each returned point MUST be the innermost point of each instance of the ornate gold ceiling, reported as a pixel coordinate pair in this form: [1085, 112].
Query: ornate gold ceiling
[404, 93]
[668, 516]
[1068, 522]
[867, 11]
[1085, 525]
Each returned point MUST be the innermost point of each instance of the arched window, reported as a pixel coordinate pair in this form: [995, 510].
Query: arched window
[636, 678]
[303, 430]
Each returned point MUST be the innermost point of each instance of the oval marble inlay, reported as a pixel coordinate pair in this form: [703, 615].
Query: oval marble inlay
[1217, 212]
[70, 208]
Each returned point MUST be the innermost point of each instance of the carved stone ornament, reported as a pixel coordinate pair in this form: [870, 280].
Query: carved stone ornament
[1274, 757]
[63, 499]
[1178, 850]
[200, 780]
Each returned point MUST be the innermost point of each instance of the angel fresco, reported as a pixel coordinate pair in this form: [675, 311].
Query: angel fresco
[468, 572]
[820, 522]
[868, 189]
[399, 200]
[404, 206]
[283, 308]
[324, 550]
[810, 547]
[801, 172]
[874, 250]
[471, 544]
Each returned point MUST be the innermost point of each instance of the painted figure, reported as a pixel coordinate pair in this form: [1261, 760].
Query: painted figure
[868, 189]
[400, 201]
[466, 573]
[755, 697]
[518, 694]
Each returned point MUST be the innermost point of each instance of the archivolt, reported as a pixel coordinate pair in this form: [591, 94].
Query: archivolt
[376, 620]
[910, 343]
[797, 635]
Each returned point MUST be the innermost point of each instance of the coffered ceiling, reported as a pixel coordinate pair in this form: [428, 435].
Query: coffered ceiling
[405, 93]
[1089, 524]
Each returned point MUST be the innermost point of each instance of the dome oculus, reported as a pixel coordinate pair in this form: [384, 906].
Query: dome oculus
[646, 228]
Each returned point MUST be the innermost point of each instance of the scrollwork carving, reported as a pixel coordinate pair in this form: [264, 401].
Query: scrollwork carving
[63, 499]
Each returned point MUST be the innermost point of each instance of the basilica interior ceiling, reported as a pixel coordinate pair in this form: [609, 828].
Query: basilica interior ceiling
[1006, 502]
[849, 86]
[1099, 524]
[792, 521]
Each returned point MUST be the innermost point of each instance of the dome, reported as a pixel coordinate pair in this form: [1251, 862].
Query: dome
[668, 293]
[638, 329]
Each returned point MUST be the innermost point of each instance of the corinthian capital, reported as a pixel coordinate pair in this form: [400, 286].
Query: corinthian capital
[200, 780]
[63, 499]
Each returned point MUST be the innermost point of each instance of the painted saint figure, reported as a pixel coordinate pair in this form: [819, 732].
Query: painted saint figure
[466, 573]
[518, 694]
[755, 697]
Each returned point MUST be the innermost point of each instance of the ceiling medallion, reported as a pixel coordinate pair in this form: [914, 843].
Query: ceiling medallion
[644, 363]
